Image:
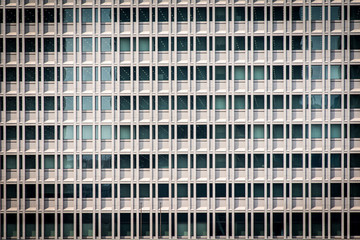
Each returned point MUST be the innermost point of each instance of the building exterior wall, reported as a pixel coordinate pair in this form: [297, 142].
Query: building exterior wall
[179, 119]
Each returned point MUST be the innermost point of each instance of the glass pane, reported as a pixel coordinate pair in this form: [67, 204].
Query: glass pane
[335, 72]
[163, 73]
[144, 103]
[335, 12]
[144, 73]
[182, 102]
[87, 74]
[258, 131]
[201, 224]
[201, 44]
[124, 14]
[220, 161]
[87, 104]
[258, 102]
[182, 44]
[163, 161]
[163, 44]
[68, 161]
[124, 132]
[11, 162]
[87, 44]
[316, 131]
[106, 132]
[316, 101]
[68, 45]
[105, 44]
[316, 43]
[124, 44]
[220, 131]
[105, 73]
[182, 14]
[87, 225]
[239, 102]
[239, 131]
[220, 14]
[163, 14]
[220, 43]
[68, 15]
[68, 103]
[220, 73]
[144, 44]
[239, 44]
[182, 190]
[163, 132]
[144, 132]
[297, 102]
[258, 43]
[335, 131]
[143, 14]
[182, 161]
[316, 72]
[220, 102]
[105, 103]
[239, 14]
[278, 131]
[335, 43]
[201, 14]
[86, 15]
[87, 132]
[201, 73]
[316, 13]
[105, 15]
[49, 162]
[68, 74]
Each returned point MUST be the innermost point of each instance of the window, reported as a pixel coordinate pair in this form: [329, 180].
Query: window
[316, 190]
[86, 15]
[201, 161]
[201, 14]
[105, 15]
[220, 190]
[258, 43]
[163, 14]
[144, 73]
[258, 131]
[258, 102]
[87, 74]
[144, 190]
[239, 102]
[220, 102]
[182, 161]
[163, 161]
[144, 103]
[220, 14]
[258, 13]
[335, 43]
[297, 131]
[201, 224]
[144, 15]
[316, 43]
[68, 15]
[316, 101]
[182, 14]
[201, 131]
[239, 43]
[354, 101]
[124, 14]
[220, 43]
[87, 104]
[201, 44]
[49, 104]
[316, 13]
[124, 132]
[105, 44]
[105, 73]
[316, 131]
[124, 45]
[278, 13]
[335, 130]
[163, 43]
[86, 44]
[297, 102]
[335, 12]
[106, 132]
[87, 190]
[220, 131]
[297, 190]
[220, 73]
[68, 103]
[220, 161]
[278, 131]
[182, 102]
[182, 44]
[144, 132]
[278, 190]
[144, 44]
[87, 224]
[316, 72]
[258, 190]
[49, 162]
[201, 190]
[239, 13]
[105, 103]
[125, 191]
[68, 161]
[182, 190]
[87, 132]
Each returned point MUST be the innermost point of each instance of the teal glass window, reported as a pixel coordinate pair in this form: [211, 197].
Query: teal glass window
[105, 103]
[220, 73]
[278, 43]
[220, 14]
[201, 44]
[182, 224]
[144, 44]
[144, 132]
[144, 73]
[354, 101]
[87, 104]
[220, 43]
[124, 44]
[182, 73]
[11, 162]
[163, 44]
[87, 224]
[68, 74]
[68, 103]
[182, 102]
[68, 225]
[335, 12]
[163, 132]
[124, 14]
[201, 162]
[49, 162]
[125, 73]
[86, 15]
[182, 43]
[220, 102]
[239, 72]
[201, 102]
[297, 102]
[278, 131]
[86, 44]
[163, 73]
[258, 13]
[258, 131]
[278, 102]
[163, 102]
[220, 161]
[201, 131]
[316, 43]
[335, 42]
[316, 13]
[144, 103]
[201, 73]
[220, 131]
[30, 74]
[258, 43]
[316, 101]
[49, 225]
[201, 224]
[68, 44]
[201, 14]
[105, 15]
[278, 161]
[143, 14]
[239, 131]
[316, 72]
[335, 101]
[182, 161]
[297, 131]
[182, 190]
[68, 132]
[335, 131]
[105, 73]
[68, 161]
[239, 43]
[316, 131]
[239, 102]
[87, 132]
[258, 102]
[106, 132]
[163, 14]
[335, 72]
[182, 14]
[297, 42]
[125, 103]
[124, 132]
[49, 45]
[105, 44]
[68, 15]
[182, 131]
[239, 14]
[163, 161]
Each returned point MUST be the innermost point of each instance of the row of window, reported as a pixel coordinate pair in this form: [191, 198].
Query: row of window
[182, 73]
[221, 102]
[183, 190]
[221, 43]
[187, 224]
[183, 14]
[108, 132]
[163, 161]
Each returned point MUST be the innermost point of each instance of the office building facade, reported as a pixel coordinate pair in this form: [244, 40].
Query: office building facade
[181, 119]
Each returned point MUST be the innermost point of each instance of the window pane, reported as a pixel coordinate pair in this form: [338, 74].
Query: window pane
[124, 44]
[68, 132]
[201, 14]
[106, 15]
[68, 74]
[87, 133]
[354, 101]
[143, 14]
[86, 15]
[144, 44]
[297, 102]
[220, 161]
[316, 43]
[220, 14]
[316, 13]
[258, 102]
[239, 43]
[182, 102]
[124, 132]
[316, 101]
[258, 43]
[68, 161]
[105, 44]
[68, 15]
[144, 132]
[316, 72]
[182, 44]
[49, 162]
[239, 131]
[258, 131]
[11, 162]
[163, 132]
[201, 73]
[86, 44]
[106, 132]
[68, 103]
[220, 73]
[316, 131]
[335, 72]
[163, 161]
[239, 102]
[239, 14]
[335, 131]
[68, 44]
[182, 14]
[163, 44]
[201, 44]
[163, 14]
[87, 104]
[335, 43]
[144, 73]
[87, 74]
[105, 103]
[105, 73]
[220, 131]
[182, 161]
[220, 102]
[220, 43]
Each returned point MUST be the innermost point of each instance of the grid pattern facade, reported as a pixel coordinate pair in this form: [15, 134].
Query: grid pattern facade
[179, 119]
